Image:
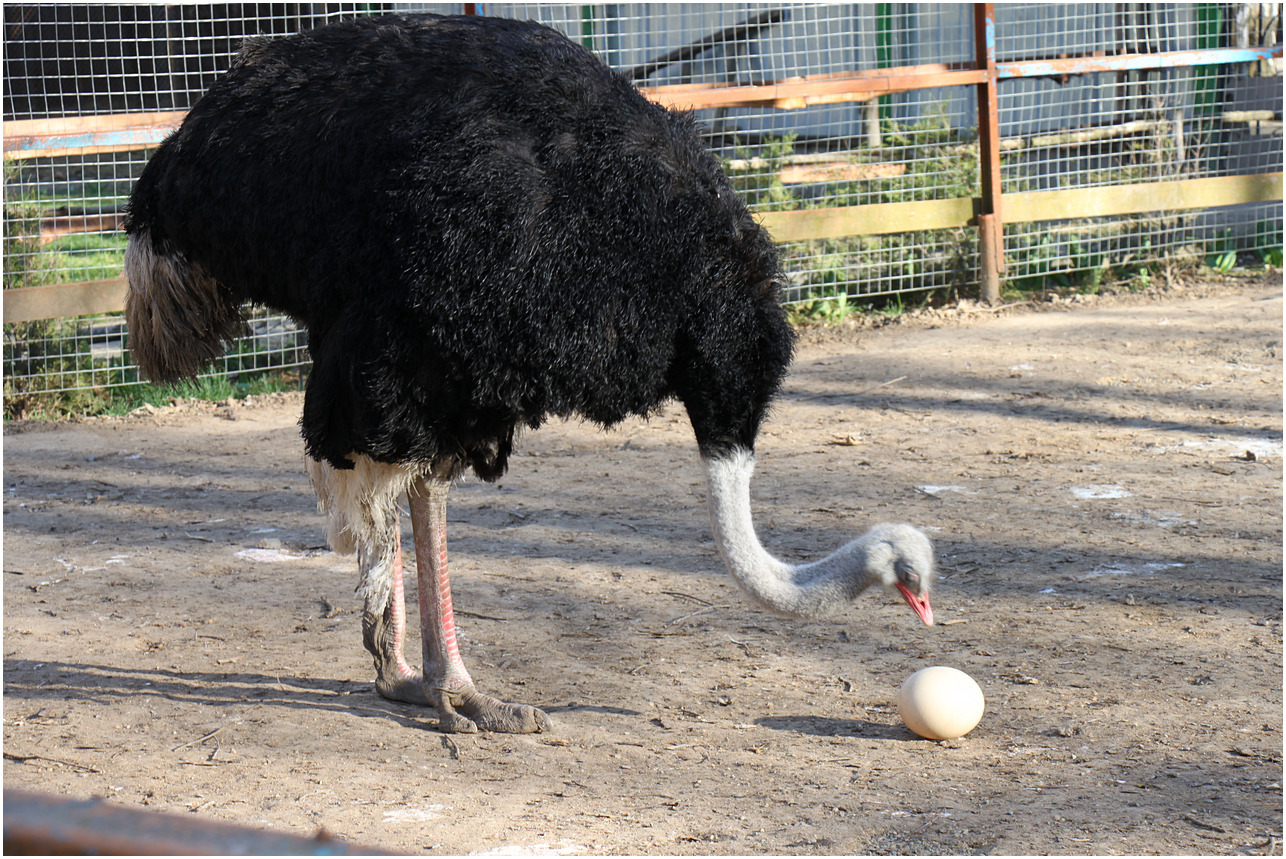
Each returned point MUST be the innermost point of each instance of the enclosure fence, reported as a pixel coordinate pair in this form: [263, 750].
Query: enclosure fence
[894, 150]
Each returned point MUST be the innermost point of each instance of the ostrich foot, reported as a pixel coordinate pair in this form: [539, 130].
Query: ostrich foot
[404, 686]
[394, 679]
[467, 711]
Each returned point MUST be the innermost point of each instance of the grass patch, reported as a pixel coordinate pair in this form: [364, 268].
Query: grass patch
[87, 256]
[123, 399]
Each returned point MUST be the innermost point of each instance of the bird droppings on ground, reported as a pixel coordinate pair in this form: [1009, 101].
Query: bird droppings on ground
[1247, 449]
[1127, 712]
[268, 556]
[560, 848]
[415, 814]
[1100, 490]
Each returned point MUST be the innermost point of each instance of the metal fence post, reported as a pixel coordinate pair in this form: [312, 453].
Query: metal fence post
[990, 223]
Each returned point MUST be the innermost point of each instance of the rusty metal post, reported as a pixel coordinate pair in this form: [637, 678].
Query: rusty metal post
[991, 255]
[990, 221]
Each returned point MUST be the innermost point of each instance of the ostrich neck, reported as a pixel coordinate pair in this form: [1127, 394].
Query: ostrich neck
[809, 590]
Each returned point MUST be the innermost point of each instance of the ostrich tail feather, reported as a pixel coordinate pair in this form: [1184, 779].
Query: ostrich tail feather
[180, 318]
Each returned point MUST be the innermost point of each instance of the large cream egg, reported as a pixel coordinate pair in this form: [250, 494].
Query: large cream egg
[940, 703]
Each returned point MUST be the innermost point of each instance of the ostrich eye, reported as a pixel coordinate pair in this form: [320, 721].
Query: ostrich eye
[903, 571]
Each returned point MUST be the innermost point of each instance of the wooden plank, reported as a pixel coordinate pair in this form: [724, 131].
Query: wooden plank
[85, 143]
[838, 171]
[63, 300]
[33, 138]
[1029, 207]
[63, 148]
[108, 296]
[82, 135]
[55, 227]
[85, 124]
[795, 93]
[1032, 206]
[1133, 62]
[828, 77]
[38, 138]
[873, 220]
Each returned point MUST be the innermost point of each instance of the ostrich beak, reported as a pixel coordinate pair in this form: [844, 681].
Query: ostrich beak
[919, 605]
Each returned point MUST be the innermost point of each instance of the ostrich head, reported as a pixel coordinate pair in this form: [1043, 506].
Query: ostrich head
[900, 557]
[889, 556]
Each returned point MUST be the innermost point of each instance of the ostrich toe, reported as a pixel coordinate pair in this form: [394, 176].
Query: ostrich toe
[468, 711]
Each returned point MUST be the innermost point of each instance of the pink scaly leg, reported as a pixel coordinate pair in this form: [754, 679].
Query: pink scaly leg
[384, 631]
[447, 685]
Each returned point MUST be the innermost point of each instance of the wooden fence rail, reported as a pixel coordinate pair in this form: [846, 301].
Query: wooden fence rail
[62, 300]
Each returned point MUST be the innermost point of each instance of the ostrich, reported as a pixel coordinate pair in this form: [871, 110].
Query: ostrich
[481, 226]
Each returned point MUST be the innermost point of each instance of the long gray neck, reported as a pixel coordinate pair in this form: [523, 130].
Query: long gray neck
[808, 590]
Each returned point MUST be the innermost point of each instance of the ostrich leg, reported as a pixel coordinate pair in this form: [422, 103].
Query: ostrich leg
[384, 631]
[447, 685]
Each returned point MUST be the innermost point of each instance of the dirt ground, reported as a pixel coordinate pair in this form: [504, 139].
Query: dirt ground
[1103, 480]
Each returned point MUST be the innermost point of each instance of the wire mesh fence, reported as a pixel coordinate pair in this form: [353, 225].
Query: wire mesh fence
[1171, 121]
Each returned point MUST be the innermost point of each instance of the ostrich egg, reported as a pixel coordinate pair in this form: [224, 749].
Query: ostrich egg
[940, 703]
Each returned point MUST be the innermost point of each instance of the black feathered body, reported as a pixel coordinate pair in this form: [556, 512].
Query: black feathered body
[480, 225]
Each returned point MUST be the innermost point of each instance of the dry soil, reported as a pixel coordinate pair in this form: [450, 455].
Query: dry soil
[1103, 480]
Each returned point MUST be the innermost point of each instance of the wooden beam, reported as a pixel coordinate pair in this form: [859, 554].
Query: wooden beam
[1033, 206]
[838, 171]
[87, 124]
[822, 89]
[1133, 62]
[78, 135]
[82, 135]
[108, 296]
[1028, 207]
[62, 300]
[125, 142]
[56, 226]
[793, 93]
[877, 219]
